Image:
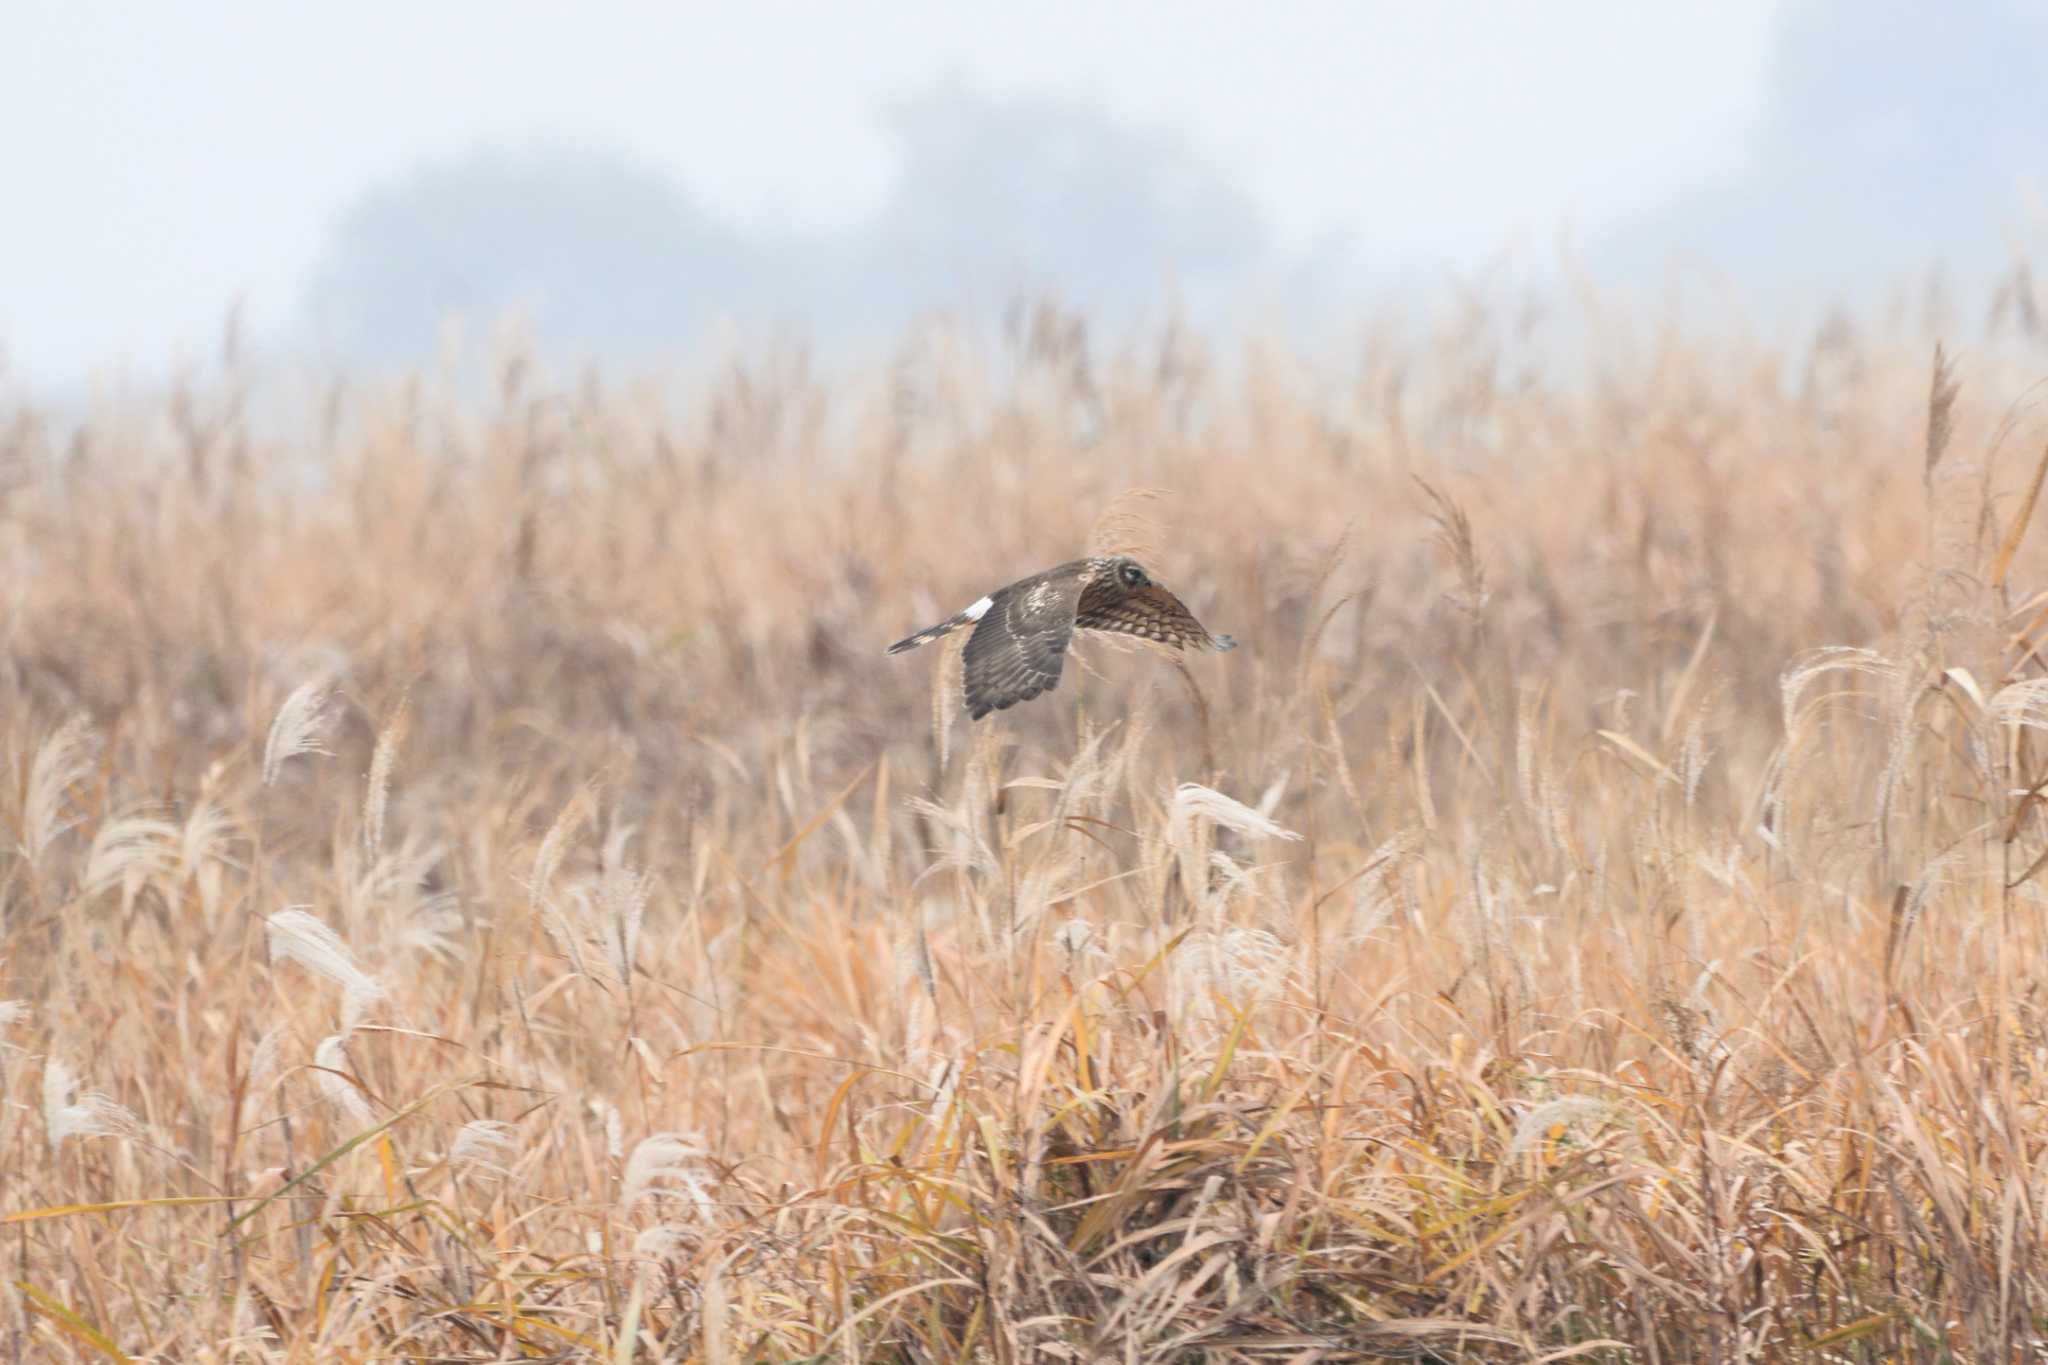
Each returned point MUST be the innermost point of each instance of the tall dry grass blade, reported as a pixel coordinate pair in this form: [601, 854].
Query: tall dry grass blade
[2021, 519]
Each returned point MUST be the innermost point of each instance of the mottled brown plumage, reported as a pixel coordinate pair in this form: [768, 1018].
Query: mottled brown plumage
[1021, 632]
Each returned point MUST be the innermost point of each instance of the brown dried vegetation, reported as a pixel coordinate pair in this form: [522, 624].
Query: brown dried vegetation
[474, 889]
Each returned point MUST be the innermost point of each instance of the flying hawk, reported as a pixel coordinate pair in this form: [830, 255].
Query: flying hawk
[1021, 632]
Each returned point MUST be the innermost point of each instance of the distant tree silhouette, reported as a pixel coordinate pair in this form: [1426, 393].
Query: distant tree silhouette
[608, 259]
[1896, 137]
[1031, 191]
[600, 255]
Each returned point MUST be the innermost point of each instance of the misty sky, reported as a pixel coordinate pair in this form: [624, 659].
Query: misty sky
[162, 162]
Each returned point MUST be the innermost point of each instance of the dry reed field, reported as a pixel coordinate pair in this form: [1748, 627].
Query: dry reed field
[474, 889]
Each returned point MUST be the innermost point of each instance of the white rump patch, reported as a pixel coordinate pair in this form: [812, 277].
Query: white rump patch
[979, 609]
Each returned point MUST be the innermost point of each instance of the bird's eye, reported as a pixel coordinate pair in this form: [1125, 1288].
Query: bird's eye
[1133, 575]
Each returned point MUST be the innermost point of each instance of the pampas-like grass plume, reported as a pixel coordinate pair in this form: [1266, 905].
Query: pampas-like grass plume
[62, 760]
[297, 729]
[333, 1073]
[669, 1164]
[377, 787]
[480, 1143]
[298, 935]
[68, 1114]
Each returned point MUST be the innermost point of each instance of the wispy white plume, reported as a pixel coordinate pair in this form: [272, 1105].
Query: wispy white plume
[62, 760]
[480, 1142]
[1551, 1114]
[358, 998]
[297, 728]
[300, 936]
[330, 1058]
[392, 884]
[67, 1114]
[1236, 964]
[663, 1164]
[2022, 703]
[12, 1012]
[1793, 682]
[660, 1241]
[127, 853]
[204, 837]
[1191, 800]
[263, 1061]
[1194, 804]
[964, 848]
[614, 1130]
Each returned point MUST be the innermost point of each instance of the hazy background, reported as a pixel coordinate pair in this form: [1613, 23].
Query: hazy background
[645, 182]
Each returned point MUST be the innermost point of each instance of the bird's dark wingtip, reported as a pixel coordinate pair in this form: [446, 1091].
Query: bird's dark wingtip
[1224, 642]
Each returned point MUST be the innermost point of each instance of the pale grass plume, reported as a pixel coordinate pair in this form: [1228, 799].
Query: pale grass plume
[1233, 965]
[622, 895]
[554, 845]
[1941, 416]
[263, 1060]
[69, 1114]
[377, 787]
[658, 1242]
[1191, 800]
[1193, 809]
[1558, 1113]
[128, 853]
[203, 858]
[1076, 937]
[62, 760]
[389, 888]
[1814, 664]
[297, 728]
[481, 1143]
[566, 935]
[13, 1012]
[666, 1164]
[298, 935]
[2022, 704]
[204, 837]
[334, 1075]
[964, 849]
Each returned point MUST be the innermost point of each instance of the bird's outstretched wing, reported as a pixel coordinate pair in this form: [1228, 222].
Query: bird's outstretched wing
[1020, 643]
[1151, 613]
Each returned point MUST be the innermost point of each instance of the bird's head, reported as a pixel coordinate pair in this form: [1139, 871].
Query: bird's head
[1126, 573]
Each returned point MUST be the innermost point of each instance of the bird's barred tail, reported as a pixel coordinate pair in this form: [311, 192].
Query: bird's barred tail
[947, 626]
